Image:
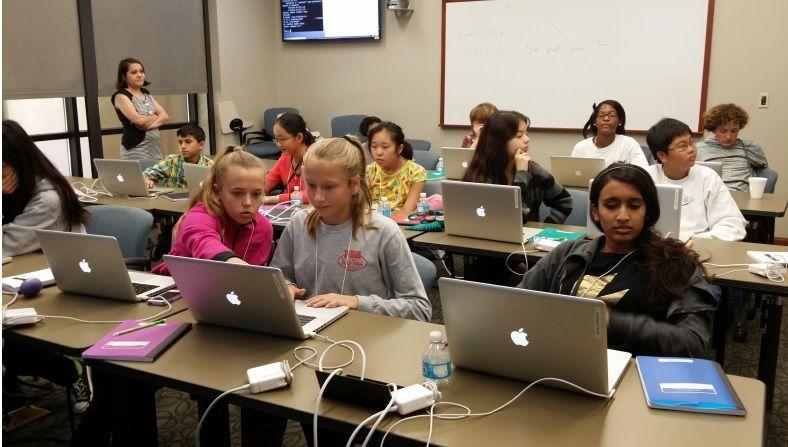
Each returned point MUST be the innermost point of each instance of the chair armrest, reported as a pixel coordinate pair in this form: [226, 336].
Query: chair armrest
[256, 135]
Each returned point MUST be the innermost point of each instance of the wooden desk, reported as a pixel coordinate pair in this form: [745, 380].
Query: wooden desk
[763, 210]
[393, 347]
[67, 336]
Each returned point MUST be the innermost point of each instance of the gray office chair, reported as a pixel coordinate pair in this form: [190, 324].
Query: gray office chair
[261, 143]
[427, 159]
[419, 145]
[647, 152]
[771, 178]
[579, 213]
[147, 163]
[347, 124]
[130, 226]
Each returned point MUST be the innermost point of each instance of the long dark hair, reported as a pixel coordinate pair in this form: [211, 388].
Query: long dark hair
[123, 68]
[590, 126]
[294, 124]
[667, 262]
[490, 158]
[31, 165]
[396, 134]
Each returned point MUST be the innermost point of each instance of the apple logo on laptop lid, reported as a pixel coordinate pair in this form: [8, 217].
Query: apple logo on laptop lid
[120, 177]
[519, 337]
[84, 265]
[480, 211]
[232, 297]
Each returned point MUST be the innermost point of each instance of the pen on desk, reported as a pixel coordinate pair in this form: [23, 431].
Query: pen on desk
[137, 328]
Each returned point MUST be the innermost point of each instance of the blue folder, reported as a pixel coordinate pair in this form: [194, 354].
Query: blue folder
[685, 384]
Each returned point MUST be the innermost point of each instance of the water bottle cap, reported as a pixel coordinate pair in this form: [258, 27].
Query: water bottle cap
[436, 336]
[295, 188]
[423, 194]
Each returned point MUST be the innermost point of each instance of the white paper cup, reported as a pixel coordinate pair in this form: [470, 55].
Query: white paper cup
[757, 185]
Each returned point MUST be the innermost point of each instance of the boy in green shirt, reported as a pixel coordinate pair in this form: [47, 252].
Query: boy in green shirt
[169, 172]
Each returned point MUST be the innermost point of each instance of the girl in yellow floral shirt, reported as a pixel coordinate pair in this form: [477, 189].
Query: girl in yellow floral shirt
[393, 173]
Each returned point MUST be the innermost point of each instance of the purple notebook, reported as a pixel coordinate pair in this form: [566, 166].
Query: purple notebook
[143, 345]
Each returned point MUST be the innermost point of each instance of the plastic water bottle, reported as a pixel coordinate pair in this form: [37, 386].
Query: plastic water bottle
[384, 209]
[423, 207]
[296, 200]
[440, 169]
[436, 361]
[374, 209]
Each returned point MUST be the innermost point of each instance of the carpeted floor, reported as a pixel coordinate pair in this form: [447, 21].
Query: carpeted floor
[177, 413]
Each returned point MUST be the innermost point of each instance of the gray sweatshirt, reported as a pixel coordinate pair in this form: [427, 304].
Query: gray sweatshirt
[43, 211]
[379, 265]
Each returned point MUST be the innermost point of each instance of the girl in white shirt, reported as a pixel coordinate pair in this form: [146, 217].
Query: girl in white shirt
[607, 125]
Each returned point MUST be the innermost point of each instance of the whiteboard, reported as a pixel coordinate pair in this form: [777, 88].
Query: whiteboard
[551, 60]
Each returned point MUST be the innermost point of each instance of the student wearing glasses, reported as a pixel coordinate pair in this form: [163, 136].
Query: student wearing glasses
[293, 139]
[707, 208]
[608, 142]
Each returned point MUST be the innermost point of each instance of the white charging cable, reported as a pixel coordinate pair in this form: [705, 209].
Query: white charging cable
[773, 272]
[468, 413]
[379, 415]
[40, 318]
[525, 255]
[207, 410]
[278, 217]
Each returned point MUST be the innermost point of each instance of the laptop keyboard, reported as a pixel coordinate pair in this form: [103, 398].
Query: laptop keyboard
[304, 319]
[139, 289]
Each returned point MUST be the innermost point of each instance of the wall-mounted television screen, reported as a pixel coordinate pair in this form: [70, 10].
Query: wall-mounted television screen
[330, 19]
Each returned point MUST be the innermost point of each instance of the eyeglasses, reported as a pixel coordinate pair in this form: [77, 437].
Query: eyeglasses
[682, 147]
[610, 115]
[281, 141]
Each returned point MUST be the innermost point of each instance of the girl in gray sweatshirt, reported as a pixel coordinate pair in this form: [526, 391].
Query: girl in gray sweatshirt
[338, 254]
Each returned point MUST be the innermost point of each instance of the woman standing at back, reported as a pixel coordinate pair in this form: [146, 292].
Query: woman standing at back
[140, 114]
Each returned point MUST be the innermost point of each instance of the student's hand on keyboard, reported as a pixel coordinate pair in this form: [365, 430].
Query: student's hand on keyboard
[295, 292]
[333, 300]
[237, 260]
[150, 183]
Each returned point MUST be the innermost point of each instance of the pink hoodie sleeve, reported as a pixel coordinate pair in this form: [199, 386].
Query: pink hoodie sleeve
[200, 234]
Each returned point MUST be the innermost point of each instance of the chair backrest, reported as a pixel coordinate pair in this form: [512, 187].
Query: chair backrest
[130, 226]
[647, 152]
[427, 159]
[579, 208]
[419, 145]
[270, 115]
[771, 178]
[147, 162]
[347, 124]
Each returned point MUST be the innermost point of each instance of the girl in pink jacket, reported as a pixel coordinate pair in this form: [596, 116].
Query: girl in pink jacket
[222, 222]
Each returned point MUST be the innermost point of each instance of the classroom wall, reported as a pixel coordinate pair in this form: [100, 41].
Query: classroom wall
[242, 36]
[398, 78]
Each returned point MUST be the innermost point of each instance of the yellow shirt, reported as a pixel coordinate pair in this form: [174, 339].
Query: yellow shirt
[395, 186]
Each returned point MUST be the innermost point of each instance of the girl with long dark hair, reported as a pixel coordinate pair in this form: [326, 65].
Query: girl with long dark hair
[502, 157]
[658, 302]
[35, 194]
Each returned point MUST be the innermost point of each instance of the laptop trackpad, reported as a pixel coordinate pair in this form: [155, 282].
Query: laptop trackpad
[617, 362]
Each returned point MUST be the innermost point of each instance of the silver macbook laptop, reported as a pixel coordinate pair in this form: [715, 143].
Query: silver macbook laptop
[195, 175]
[714, 165]
[669, 223]
[575, 171]
[124, 177]
[484, 211]
[246, 297]
[528, 335]
[91, 264]
[456, 161]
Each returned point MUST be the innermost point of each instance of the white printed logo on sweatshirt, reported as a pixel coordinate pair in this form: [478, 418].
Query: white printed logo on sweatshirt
[352, 260]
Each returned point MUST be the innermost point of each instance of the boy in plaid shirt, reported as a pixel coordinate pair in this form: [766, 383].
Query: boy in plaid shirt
[169, 172]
